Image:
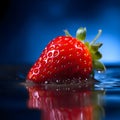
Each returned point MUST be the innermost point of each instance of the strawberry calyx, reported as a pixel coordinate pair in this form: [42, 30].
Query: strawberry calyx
[92, 46]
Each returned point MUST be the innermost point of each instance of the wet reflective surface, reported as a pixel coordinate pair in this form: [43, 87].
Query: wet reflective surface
[80, 104]
[20, 100]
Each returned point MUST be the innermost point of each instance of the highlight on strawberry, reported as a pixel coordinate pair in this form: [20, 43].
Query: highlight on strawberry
[67, 59]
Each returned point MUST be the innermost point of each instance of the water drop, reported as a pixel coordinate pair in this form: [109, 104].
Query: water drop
[100, 71]
[57, 89]
[57, 81]
[46, 82]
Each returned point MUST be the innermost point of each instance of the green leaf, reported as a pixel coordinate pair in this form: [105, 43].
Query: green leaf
[87, 44]
[99, 66]
[95, 47]
[97, 55]
[81, 33]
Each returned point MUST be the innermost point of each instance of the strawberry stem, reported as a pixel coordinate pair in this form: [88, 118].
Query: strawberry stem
[81, 33]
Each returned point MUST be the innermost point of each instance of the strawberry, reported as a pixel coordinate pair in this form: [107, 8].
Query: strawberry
[80, 105]
[67, 59]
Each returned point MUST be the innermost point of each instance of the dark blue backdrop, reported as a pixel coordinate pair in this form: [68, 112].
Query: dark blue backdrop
[26, 26]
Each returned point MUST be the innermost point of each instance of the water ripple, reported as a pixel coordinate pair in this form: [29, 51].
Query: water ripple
[109, 79]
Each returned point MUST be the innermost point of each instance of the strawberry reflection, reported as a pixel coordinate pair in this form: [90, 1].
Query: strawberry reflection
[66, 104]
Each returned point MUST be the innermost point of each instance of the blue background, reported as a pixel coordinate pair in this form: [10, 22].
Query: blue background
[26, 26]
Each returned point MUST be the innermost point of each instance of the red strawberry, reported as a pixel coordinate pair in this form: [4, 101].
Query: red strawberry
[66, 58]
[80, 105]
